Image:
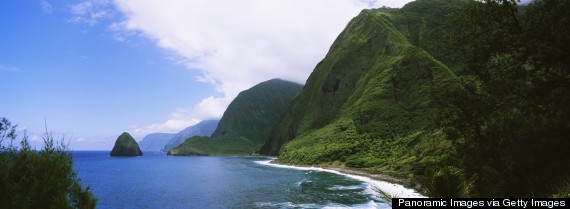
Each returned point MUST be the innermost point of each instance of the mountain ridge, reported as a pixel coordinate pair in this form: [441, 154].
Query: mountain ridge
[451, 94]
[246, 122]
[204, 128]
[155, 141]
[349, 83]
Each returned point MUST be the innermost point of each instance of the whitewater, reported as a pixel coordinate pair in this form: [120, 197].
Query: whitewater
[390, 189]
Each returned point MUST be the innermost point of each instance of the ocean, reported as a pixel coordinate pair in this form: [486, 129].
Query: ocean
[159, 181]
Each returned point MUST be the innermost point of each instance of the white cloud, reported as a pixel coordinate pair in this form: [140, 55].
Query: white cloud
[391, 3]
[35, 138]
[90, 12]
[46, 7]
[237, 44]
[209, 108]
[10, 69]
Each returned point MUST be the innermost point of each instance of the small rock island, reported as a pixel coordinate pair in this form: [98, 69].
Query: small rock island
[126, 146]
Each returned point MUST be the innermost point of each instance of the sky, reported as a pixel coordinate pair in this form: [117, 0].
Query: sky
[90, 70]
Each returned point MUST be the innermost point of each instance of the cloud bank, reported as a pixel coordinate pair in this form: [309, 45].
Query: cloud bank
[236, 44]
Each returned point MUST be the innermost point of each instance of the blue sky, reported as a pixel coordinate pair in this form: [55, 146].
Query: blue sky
[93, 69]
[82, 80]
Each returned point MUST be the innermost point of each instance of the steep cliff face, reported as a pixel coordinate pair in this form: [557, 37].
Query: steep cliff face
[126, 146]
[246, 122]
[369, 102]
[255, 111]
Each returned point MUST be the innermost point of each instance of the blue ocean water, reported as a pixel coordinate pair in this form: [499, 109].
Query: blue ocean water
[158, 181]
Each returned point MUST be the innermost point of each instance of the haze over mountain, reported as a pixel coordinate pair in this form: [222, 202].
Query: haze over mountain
[204, 128]
[247, 121]
[155, 141]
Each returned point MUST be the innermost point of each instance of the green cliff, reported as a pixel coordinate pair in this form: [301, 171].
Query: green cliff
[464, 98]
[246, 122]
[126, 146]
[369, 103]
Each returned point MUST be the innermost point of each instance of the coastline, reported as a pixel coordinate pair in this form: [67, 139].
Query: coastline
[378, 182]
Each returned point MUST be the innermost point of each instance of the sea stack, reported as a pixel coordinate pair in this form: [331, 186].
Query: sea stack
[126, 146]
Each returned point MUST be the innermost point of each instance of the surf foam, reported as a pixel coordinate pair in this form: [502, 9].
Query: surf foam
[391, 189]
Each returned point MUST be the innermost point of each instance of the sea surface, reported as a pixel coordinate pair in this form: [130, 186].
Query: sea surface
[159, 181]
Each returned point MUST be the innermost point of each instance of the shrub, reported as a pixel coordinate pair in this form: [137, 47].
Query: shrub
[38, 179]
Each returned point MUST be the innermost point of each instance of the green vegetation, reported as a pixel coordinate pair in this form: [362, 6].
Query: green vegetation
[246, 123]
[126, 146]
[227, 145]
[38, 179]
[509, 121]
[370, 104]
[466, 98]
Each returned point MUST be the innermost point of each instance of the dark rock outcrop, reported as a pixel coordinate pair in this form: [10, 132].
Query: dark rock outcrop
[126, 146]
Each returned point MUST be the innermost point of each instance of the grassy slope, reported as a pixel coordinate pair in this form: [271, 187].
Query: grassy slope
[247, 121]
[370, 103]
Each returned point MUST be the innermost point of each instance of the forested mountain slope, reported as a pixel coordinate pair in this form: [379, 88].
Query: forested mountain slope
[467, 98]
[246, 122]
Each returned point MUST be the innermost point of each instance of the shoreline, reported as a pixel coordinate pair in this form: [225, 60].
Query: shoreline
[378, 182]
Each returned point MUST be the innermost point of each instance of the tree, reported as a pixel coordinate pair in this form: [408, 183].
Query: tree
[38, 179]
[510, 124]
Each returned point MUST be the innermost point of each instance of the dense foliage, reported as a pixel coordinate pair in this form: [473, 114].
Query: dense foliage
[225, 145]
[246, 122]
[509, 121]
[126, 146]
[469, 98]
[370, 103]
[38, 179]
